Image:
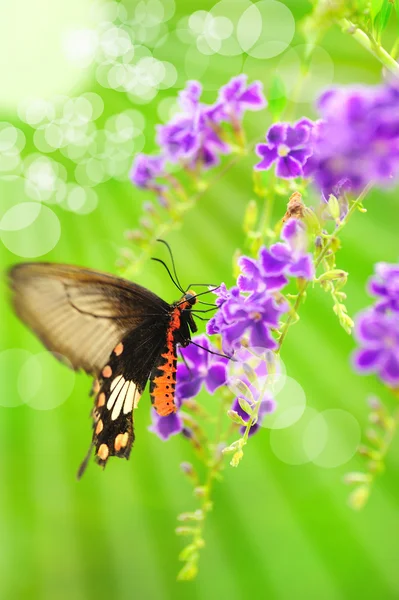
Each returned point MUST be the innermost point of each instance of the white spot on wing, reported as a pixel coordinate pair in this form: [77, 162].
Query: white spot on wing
[117, 388]
[115, 381]
[128, 406]
[132, 399]
[119, 403]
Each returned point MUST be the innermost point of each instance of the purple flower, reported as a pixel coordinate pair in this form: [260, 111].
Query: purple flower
[200, 368]
[236, 97]
[385, 285]
[146, 169]
[378, 336]
[358, 139]
[192, 135]
[165, 427]
[288, 146]
[280, 261]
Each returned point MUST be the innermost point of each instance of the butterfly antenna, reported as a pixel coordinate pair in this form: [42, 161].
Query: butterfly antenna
[169, 273]
[211, 352]
[173, 262]
[201, 294]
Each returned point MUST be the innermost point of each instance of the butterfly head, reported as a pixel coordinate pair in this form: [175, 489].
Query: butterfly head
[190, 297]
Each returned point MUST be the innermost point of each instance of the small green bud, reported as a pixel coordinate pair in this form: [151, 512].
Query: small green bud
[241, 387]
[357, 477]
[200, 491]
[197, 515]
[188, 572]
[359, 497]
[311, 220]
[235, 417]
[236, 458]
[246, 406]
[333, 207]
[186, 530]
[233, 447]
[333, 275]
[187, 552]
[249, 372]
[251, 216]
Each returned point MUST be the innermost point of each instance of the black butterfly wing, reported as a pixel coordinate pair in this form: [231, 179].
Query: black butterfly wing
[79, 313]
[119, 387]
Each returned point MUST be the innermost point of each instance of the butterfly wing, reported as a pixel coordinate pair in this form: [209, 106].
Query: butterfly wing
[79, 313]
[119, 387]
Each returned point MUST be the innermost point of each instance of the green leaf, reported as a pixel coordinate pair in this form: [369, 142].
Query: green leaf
[381, 20]
[375, 7]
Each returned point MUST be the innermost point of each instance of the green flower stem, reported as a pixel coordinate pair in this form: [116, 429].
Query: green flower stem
[370, 45]
[376, 465]
[203, 492]
[301, 295]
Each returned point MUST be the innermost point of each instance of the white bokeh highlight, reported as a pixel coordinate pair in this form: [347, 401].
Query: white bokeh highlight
[332, 438]
[266, 29]
[12, 362]
[30, 229]
[44, 383]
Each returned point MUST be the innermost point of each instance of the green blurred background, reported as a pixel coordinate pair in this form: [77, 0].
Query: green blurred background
[277, 531]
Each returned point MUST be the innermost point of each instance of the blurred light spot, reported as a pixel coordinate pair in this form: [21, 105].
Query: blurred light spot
[288, 443]
[11, 363]
[44, 383]
[80, 200]
[332, 438]
[36, 230]
[266, 29]
[290, 405]
[167, 108]
[80, 46]
[233, 11]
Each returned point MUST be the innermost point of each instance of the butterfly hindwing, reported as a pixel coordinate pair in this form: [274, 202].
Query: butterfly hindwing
[119, 387]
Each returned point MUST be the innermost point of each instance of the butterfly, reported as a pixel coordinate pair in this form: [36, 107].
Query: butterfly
[117, 331]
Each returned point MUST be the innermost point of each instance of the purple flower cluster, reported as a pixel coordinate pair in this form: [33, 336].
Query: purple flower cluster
[194, 137]
[355, 142]
[377, 328]
[200, 368]
[253, 308]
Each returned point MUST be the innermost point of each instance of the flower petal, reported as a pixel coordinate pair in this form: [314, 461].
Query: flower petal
[277, 133]
[269, 155]
[288, 167]
[302, 268]
[216, 377]
[389, 370]
[165, 427]
[366, 361]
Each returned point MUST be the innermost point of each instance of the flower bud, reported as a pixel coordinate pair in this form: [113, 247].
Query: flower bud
[333, 207]
[333, 274]
[359, 497]
[235, 417]
[250, 217]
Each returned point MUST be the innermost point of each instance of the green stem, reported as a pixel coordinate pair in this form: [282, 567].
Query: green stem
[293, 313]
[370, 45]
